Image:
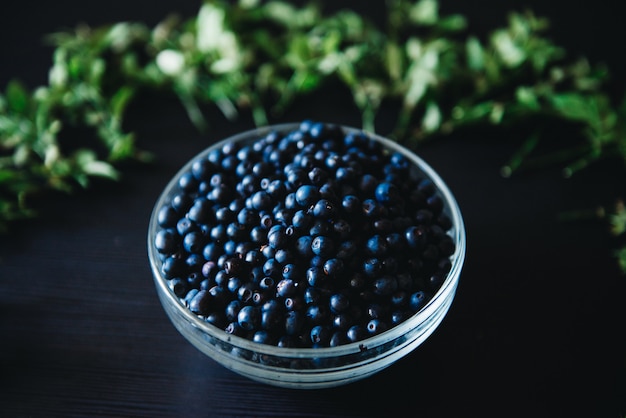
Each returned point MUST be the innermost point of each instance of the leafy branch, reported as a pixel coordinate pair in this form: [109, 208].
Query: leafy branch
[260, 56]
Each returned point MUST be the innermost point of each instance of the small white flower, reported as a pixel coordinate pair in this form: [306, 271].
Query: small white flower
[210, 28]
[170, 62]
[230, 56]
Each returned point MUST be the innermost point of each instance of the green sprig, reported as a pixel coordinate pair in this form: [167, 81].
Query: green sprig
[262, 55]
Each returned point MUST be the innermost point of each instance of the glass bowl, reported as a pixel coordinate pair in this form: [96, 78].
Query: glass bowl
[308, 368]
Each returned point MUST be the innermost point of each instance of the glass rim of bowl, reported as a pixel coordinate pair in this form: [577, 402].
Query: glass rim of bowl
[452, 277]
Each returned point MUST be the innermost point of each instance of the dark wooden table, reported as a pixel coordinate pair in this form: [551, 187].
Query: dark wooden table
[536, 329]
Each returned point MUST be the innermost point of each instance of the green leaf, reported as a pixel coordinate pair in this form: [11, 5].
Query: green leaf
[572, 105]
[432, 118]
[17, 97]
[120, 100]
[421, 75]
[617, 219]
[454, 23]
[89, 165]
[425, 12]
[527, 97]
[394, 60]
[475, 54]
[507, 49]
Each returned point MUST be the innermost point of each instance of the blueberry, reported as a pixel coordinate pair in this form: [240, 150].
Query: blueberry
[225, 215]
[387, 193]
[324, 208]
[385, 285]
[187, 182]
[294, 322]
[307, 195]
[312, 295]
[338, 338]
[320, 227]
[371, 208]
[232, 310]
[372, 267]
[315, 276]
[283, 216]
[245, 292]
[356, 333]
[400, 298]
[220, 194]
[303, 246]
[342, 321]
[234, 328]
[261, 200]
[383, 226]
[346, 174]
[194, 279]
[446, 246]
[376, 246]
[185, 225]
[272, 268]
[294, 303]
[333, 267]
[368, 184]
[418, 300]
[216, 319]
[173, 266]
[181, 202]
[377, 326]
[316, 130]
[218, 233]
[329, 191]
[286, 288]
[322, 246]
[263, 337]
[202, 169]
[320, 335]
[284, 256]
[200, 303]
[339, 303]
[317, 175]
[301, 219]
[276, 189]
[279, 236]
[271, 316]
[317, 314]
[435, 204]
[342, 228]
[195, 262]
[249, 317]
[291, 271]
[416, 236]
[267, 283]
[179, 286]
[212, 251]
[398, 317]
[346, 249]
[376, 310]
[166, 241]
[167, 217]
[351, 204]
[426, 187]
[248, 217]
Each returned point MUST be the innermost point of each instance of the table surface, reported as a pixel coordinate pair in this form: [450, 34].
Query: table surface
[536, 328]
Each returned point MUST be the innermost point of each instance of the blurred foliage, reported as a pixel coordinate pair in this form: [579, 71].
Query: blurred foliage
[262, 55]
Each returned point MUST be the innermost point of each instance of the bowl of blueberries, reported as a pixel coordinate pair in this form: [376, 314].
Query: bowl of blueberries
[306, 255]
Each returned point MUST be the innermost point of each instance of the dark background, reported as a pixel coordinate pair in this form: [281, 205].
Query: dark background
[536, 329]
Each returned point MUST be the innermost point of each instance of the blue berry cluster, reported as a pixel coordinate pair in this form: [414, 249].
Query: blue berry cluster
[316, 237]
